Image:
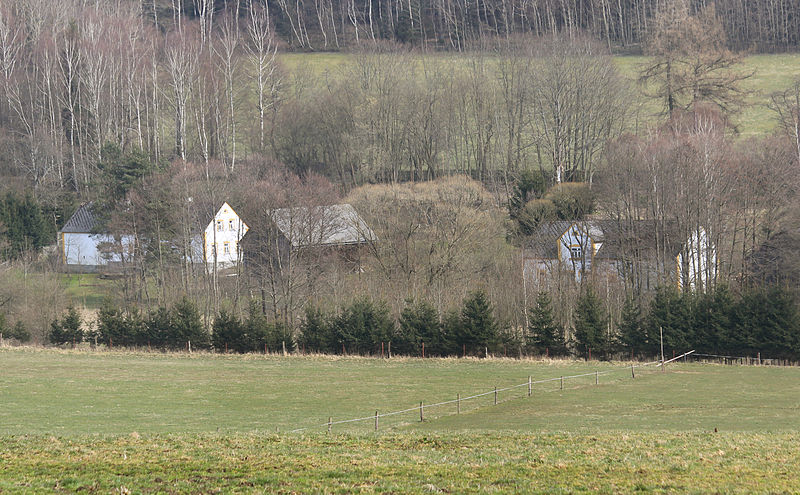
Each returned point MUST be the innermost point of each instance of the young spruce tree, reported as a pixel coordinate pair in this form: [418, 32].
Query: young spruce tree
[590, 324]
[544, 335]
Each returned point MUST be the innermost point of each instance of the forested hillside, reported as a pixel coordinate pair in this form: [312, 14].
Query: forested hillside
[763, 25]
[154, 114]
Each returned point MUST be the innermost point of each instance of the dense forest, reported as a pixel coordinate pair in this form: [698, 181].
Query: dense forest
[762, 25]
[158, 112]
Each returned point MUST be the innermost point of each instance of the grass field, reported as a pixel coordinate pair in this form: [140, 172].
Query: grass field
[771, 73]
[79, 420]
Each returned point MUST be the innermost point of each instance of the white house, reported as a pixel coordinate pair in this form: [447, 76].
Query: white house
[649, 251]
[222, 238]
[82, 247]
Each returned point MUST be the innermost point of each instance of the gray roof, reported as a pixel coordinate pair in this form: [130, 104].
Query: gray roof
[333, 225]
[81, 222]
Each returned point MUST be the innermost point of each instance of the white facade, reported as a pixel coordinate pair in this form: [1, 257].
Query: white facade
[85, 249]
[222, 237]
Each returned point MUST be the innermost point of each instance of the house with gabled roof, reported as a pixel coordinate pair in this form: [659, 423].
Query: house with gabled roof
[336, 228]
[645, 250]
[219, 245]
[85, 246]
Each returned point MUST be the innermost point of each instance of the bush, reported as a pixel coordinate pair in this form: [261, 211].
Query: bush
[534, 213]
[572, 200]
[68, 329]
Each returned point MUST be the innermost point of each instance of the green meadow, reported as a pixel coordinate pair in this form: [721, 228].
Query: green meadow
[169, 423]
[770, 74]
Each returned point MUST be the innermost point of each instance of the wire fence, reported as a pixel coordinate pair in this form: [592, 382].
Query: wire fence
[756, 360]
[422, 408]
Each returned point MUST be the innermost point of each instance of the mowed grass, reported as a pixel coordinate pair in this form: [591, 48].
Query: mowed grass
[771, 73]
[80, 392]
[172, 423]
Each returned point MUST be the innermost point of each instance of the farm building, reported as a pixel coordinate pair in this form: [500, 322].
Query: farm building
[290, 230]
[644, 251]
[85, 247]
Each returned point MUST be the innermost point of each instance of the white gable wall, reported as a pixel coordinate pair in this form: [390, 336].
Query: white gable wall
[222, 237]
[83, 249]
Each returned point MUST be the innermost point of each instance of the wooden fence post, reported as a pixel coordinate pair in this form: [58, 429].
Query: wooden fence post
[376, 420]
[562, 382]
[633, 374]
[596, 378]
[530, 385]
[330, 422]
[495, 395]
[421, 414]
[390, 350]
[458, 403]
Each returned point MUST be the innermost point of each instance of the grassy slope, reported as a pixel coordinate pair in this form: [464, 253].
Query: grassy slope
[74, 393]
[148, 422]
[771, 73]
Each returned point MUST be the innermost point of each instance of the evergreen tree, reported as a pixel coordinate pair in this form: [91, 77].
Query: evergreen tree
[188, 327]
[227, 333]
[477, 328]
[160, 328]
[673, 313]
[590, 324]
[419, 322]
[315, 332]
[712, 321]
[25, 227]
[363, 325]
[632, 337]
[19, 332]
[544, 335]
[68, 329]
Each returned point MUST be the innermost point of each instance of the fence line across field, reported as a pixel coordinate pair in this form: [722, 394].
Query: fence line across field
[495, 391]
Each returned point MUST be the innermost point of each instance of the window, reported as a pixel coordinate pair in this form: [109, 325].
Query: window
[230, 225]
[576, 253]
[226, 248]
[219, 226]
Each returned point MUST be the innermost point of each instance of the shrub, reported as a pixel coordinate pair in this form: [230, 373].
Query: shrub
[572, 200]
[534, 213]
